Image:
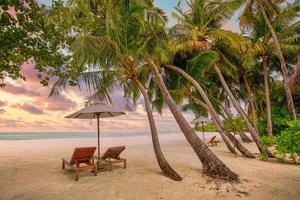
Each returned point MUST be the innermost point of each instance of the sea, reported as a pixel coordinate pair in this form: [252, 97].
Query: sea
[63, 135]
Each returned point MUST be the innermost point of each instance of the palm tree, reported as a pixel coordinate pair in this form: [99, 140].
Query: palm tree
[286, 30]
[109, 42]
[212, 165]
[199, 30]
[269, 10]
[155, 52]
[121, 33]
[210, 108]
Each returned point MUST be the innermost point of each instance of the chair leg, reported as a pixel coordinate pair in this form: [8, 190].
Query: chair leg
[63, 165]
[110, 166]
[76, 174]
[95, 170]
[125, 164]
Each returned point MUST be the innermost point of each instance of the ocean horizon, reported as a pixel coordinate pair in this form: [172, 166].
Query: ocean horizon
[64, 135]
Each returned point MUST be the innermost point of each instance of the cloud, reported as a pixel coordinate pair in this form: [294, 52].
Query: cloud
[11, 123]
[59, 103]
[29, 108]
[2, 110]
[20, 90]
[3, 103]
[51, 110]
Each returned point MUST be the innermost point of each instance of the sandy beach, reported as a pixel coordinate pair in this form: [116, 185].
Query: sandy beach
[31, 169]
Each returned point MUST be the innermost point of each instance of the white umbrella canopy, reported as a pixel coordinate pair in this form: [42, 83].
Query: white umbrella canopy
[100, 108]
[201, 120]
[95, 111]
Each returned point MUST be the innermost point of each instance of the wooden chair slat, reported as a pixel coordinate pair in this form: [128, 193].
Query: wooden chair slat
[79, 156]
[112, 156]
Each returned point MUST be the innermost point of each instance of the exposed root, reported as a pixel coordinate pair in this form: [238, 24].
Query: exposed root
[220, 172]
[168, 171]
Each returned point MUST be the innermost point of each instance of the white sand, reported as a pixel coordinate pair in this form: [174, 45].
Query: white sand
[32, 170]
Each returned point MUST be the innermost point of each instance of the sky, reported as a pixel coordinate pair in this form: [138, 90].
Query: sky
[26, 107]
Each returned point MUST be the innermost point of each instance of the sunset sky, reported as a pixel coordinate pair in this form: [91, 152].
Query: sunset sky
[26, 107]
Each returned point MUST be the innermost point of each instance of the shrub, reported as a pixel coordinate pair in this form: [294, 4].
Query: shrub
[235, 124]
[267, 141]
[209, 127]
[280, 121]
[286, 144]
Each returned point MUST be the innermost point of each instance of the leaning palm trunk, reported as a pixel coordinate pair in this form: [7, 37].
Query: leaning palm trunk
[218, 122]
[245, 137]
[203, 105]
[252, 103]
[212, 165]
[267, 96]
[162, 162]
[288, 93]
[221, 129]
[252, 131]
[207, 102]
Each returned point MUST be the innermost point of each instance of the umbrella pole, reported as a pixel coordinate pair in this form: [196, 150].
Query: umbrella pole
[98, 125]
[203, 132]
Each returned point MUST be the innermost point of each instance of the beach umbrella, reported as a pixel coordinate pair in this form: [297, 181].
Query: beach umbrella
[202, 120]
[96, 110]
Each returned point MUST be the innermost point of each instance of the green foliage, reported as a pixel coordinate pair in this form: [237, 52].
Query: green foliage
[235, 124]
[268, 141]
[26, 35]
[209, 127]
[280, 121]
[280, 114]
[286, 144]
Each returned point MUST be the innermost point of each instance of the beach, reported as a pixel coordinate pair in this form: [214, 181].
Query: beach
[31, 169]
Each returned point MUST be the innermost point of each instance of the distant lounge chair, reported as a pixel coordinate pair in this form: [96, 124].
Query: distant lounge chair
[112, 156]
[213, 141]
[82, 155]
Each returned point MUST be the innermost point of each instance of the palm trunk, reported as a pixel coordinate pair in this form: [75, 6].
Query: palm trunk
[252, 103]
[207, 102]
[215, 116]
[267, 96]
[226, 111]
[237, 106]
[245, 137]
[212, 165]
[296, 75]
[228, 144]
[162, 162]
[221, 129]
[288, 93]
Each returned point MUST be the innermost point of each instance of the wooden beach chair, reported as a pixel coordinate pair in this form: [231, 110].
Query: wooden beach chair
[112, 156]
[213, 141]
[82, 155]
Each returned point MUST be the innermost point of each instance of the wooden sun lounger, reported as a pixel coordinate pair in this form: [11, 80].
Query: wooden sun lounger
[213, 141]
[112, 156]
[82, 155]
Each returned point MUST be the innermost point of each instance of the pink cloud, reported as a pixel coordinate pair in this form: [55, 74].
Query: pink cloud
[51, 119]
[29, 108]
[11, 123]
[229, 25]
[42, 100]
[58, 103]
[20, 90]
[3, 103]
[28, 71]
